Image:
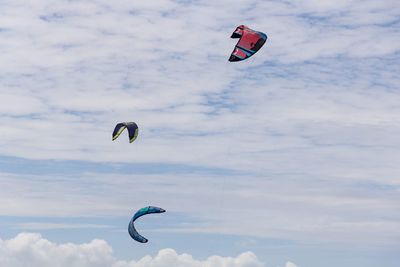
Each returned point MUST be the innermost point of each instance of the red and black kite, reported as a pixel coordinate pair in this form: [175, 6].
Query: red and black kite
[249, 43]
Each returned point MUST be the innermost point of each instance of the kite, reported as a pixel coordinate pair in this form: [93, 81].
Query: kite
[143, 211]
[133, 130]
[249, 43]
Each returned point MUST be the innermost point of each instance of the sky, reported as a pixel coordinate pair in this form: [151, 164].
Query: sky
[288, 159]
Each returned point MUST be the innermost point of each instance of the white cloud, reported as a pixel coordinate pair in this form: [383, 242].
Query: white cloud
[168, 257]
[33, 250]
[290, 264]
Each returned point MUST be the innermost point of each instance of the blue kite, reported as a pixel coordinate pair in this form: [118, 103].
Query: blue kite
[143, 211]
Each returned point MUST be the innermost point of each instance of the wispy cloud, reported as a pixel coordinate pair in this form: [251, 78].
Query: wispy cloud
[299, 208]
[305, 132]
[37, 226]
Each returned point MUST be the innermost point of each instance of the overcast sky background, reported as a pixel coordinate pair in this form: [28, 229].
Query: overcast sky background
[290, 158]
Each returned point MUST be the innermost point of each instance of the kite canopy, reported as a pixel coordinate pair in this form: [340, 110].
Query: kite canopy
[143, 211]
[133, 130]
[249, 43]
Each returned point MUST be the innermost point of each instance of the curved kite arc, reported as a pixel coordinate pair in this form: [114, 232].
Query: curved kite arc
[143, 211]
[249, 43]
[133, 130]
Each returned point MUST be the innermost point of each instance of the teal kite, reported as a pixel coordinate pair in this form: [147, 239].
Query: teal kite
[143, 211]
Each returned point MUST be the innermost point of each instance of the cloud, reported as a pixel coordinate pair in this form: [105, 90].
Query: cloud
[47, 226]
[75, 69]
[300, 208]
[290, 264]
[168, 257]
[32, 250]
[310, 123]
